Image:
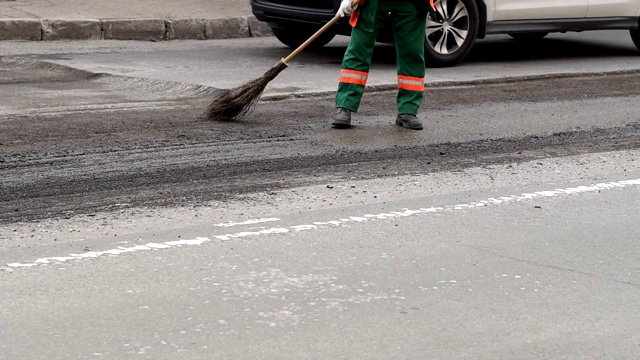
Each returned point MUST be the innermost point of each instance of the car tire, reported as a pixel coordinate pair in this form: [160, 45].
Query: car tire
[450, 38]
[296, 36]
[532, 36]
[635, 36]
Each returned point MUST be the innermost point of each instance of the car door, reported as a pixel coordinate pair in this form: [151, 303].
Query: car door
[602, 8]
[541, 9]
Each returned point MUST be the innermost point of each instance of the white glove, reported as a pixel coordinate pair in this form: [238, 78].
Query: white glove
[345, 8]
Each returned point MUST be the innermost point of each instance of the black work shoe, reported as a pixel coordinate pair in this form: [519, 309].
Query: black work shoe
[409, 121]
[342, 120]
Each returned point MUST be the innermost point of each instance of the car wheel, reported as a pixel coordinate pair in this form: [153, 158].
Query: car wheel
[532, 36]
[295, 36]
[635, 35]
[449, 38]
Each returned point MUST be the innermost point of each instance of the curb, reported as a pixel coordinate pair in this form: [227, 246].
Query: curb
[132, 29]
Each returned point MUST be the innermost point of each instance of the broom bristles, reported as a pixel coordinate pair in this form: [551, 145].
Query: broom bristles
[232, 104]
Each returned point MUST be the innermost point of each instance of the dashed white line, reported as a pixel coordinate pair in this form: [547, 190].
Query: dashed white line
[248, 222]
[321, 224]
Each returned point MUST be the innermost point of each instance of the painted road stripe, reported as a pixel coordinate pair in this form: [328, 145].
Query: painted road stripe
[248, 222]
[332, 223]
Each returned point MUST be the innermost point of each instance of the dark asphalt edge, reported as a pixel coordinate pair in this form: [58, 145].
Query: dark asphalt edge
[181, 89]
[45, 65]
[446, 156]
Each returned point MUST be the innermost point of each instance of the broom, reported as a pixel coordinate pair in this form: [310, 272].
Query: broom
[231, 104]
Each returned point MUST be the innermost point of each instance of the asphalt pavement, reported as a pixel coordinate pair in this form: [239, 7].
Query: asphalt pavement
[127, 20]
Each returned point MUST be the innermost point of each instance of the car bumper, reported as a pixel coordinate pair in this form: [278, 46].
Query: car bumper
[283, 13]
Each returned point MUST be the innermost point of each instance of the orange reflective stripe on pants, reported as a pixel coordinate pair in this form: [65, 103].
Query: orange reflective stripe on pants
[410, 83]
[353, 77]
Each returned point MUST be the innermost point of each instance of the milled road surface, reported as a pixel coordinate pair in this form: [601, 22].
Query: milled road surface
[60, 161]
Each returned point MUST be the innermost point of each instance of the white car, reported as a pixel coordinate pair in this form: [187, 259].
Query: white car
[450, 38]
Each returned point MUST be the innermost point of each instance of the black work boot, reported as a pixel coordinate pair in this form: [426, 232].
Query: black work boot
[342, 120]
[409, 121]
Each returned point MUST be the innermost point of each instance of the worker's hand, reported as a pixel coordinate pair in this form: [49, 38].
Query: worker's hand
[345, 8]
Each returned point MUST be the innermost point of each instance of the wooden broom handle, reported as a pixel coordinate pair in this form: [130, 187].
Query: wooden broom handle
[331, 22]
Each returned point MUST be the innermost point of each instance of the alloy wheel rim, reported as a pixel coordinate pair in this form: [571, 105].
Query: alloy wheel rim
[448, 33]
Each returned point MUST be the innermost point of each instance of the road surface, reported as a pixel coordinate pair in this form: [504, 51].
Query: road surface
[132, 227]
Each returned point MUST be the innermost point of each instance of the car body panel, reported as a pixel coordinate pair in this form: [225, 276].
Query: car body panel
[540, 9]
[602, 8]
[281, 13]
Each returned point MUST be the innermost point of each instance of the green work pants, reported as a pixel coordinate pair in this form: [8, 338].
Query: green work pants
[409, 25]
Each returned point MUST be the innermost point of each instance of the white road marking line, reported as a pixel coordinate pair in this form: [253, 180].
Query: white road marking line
[248, 222]
[342, 221]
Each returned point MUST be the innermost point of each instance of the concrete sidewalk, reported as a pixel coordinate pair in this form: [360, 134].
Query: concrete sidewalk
[151, 20]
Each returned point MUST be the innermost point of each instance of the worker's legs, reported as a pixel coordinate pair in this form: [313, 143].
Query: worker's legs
[409, 24]
[357, 59]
